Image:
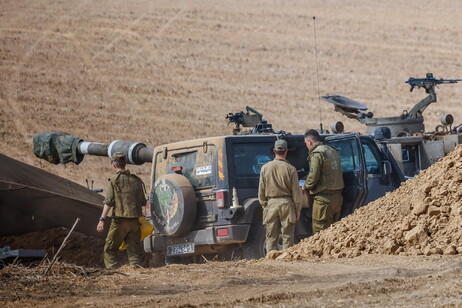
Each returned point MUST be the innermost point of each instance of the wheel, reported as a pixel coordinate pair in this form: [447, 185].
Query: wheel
[255, 246]
[173, 204]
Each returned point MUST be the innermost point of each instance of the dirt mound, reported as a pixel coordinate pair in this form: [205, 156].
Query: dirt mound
[80, 249]
[423, 216]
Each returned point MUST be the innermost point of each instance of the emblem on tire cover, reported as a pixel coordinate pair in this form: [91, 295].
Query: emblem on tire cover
[165, 202]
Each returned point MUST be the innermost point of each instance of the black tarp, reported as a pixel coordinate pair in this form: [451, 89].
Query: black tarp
[32, 199]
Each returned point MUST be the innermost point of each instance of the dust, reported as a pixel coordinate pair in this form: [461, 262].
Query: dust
[422, 217]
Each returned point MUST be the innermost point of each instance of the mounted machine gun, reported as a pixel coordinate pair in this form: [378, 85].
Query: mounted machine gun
[247, 119]
[412, 147]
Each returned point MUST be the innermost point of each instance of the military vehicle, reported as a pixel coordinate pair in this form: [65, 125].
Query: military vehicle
[412, 147]
[203, 196]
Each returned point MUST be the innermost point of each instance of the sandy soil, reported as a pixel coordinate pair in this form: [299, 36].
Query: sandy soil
[163, 71]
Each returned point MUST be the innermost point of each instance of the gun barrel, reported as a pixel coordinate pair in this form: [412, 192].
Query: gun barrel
[136, 153]
[427, 81]
[57, 147]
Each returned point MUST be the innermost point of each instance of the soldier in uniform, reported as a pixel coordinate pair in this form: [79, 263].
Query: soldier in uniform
[125, 196]
[324, 182]
[280, 197]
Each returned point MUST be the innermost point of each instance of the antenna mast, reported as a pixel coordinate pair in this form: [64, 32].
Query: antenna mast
[317, 73]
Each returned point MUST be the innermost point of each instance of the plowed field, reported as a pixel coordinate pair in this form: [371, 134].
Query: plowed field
[164, 71]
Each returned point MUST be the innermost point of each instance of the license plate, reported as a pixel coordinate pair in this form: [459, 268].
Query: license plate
[181, 249]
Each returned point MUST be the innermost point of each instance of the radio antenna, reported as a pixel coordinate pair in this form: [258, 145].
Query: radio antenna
[317, 73]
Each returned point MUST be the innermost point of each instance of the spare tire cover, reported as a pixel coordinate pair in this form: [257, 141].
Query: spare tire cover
[173, 204]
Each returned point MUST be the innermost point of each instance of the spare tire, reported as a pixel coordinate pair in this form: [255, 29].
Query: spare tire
[173, 204]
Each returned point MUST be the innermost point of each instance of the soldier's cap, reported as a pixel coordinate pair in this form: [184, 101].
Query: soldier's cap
[118, 157]
[280, 144]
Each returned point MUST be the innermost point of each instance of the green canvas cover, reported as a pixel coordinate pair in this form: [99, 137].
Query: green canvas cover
[57, 148]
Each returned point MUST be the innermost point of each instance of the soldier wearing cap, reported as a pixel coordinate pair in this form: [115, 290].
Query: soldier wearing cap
[125, 196]
[280, 197]
[324, 182]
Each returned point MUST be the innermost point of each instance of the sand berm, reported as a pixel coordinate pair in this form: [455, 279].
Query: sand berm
[422, 217]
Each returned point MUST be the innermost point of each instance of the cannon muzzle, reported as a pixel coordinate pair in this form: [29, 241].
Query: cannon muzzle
[62, 148]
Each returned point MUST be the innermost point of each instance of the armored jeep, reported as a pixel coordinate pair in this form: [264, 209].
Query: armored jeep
[203, 197]
[204, 191]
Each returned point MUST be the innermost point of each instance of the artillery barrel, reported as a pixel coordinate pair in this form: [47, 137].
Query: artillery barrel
[136, 153]
[60, 147]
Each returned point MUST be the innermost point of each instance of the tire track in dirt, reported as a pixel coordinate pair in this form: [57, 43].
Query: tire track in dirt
[148, 45]
[127, 30]
[364, 280]
[13, 88]
[70, 36]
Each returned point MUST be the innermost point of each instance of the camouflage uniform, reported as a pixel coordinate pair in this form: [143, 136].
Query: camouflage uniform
[125, 195]
[280, 197]
[325, 184]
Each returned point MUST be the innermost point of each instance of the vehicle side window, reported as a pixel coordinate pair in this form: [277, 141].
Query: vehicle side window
[372, 162]
[249, 158]
[348, 154]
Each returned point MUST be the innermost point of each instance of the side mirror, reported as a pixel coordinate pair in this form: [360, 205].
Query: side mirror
[387, 169]
[382, 132]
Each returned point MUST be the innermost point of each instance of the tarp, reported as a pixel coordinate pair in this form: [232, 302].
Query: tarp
[57, 147]
[32, 199]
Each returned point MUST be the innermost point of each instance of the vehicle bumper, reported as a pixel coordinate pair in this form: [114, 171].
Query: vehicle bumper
[204, 237]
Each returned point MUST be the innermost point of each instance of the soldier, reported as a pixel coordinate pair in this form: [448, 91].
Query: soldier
[280, 197]
[126, 196]
[324, 182]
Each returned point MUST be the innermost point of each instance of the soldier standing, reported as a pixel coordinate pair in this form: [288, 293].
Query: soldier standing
[125, 195]
[280, 197]
[324, 182]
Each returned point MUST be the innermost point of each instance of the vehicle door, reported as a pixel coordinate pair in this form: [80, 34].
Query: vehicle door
[379, 171]
[354, 172]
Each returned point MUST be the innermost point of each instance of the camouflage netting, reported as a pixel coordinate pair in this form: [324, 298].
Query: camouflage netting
[423, 216]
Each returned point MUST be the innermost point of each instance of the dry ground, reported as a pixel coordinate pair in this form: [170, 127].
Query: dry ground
[366, 281]
[163, 71]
